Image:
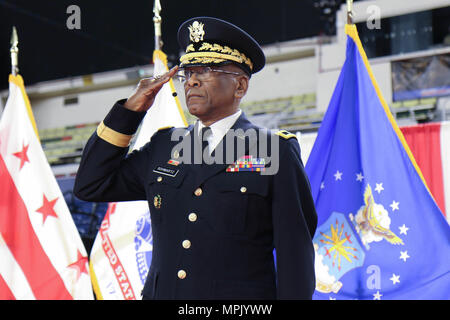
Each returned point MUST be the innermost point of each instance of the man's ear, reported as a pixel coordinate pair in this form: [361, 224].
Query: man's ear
[241, 86]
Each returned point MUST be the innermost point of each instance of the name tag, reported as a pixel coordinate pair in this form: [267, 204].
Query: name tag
[166, 171]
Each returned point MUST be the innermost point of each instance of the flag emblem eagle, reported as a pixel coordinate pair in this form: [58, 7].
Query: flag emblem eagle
[372, 222]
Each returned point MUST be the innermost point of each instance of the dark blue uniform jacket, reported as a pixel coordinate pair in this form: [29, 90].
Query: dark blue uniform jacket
[232, 221]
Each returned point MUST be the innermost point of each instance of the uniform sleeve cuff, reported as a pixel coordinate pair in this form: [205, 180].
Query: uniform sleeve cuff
[123, 120]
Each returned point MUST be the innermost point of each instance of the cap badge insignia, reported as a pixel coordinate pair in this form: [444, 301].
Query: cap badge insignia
[196, 31]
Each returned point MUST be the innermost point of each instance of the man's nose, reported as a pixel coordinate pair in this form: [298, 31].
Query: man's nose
[193, 81]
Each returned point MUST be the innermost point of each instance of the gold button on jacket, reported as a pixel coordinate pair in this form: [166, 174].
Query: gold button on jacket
[181, 274]
[198, 192]
[192, 217]
[186, 244]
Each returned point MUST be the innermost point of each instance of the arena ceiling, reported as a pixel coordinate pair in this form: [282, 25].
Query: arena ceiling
[120, 34]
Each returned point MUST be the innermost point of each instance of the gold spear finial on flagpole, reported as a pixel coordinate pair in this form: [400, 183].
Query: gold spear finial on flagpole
[157, 21]
[14, 52]
[349, 11]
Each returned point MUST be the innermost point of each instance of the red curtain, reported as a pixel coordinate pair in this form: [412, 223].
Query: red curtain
[424, 142]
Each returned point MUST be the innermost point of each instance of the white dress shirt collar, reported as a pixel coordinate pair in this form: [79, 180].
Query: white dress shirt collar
[219, 128]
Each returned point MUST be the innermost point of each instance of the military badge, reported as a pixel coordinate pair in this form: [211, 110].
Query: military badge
[247, 163]
[196, 31]
[157, 201]
[173, 162]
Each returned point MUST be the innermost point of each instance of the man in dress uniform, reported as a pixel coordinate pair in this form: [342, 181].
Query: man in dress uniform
[215, 225]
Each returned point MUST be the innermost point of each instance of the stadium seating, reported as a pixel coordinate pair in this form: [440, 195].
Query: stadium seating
[415, 111]
[87, 217]
[64, 145]
[295, 113]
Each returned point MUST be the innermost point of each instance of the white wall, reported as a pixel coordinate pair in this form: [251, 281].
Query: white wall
[283, 79]
[92, 107]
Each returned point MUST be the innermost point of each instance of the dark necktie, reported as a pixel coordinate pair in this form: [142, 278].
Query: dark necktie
[205, 133]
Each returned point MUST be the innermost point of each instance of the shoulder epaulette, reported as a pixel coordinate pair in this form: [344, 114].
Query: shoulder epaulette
[286, 134]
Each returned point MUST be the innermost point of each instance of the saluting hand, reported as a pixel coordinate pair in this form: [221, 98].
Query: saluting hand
[144, 95]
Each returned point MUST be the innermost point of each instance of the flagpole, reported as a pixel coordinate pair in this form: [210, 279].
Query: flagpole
[349, 11]
[157, 22]
[14, 52]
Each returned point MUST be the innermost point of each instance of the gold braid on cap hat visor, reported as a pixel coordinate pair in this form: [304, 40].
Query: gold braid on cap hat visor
[214, 53]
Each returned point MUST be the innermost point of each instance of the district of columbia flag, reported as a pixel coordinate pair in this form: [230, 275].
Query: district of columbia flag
[42, 254]
[380, 233]
[122, 252]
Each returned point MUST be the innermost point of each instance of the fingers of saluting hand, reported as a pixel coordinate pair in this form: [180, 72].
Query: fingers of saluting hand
[151, 86]
[157, 81]
[146, 91]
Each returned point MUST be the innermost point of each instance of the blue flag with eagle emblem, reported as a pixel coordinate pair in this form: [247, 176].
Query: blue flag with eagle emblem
[380, 234]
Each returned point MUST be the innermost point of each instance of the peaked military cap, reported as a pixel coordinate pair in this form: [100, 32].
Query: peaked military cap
[211, 41]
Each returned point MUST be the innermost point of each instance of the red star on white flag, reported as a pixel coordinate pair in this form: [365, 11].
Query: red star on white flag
[80, 265]
[22, 155]
[47, 208]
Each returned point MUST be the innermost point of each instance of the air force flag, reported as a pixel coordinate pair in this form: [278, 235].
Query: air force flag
[381, 234]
